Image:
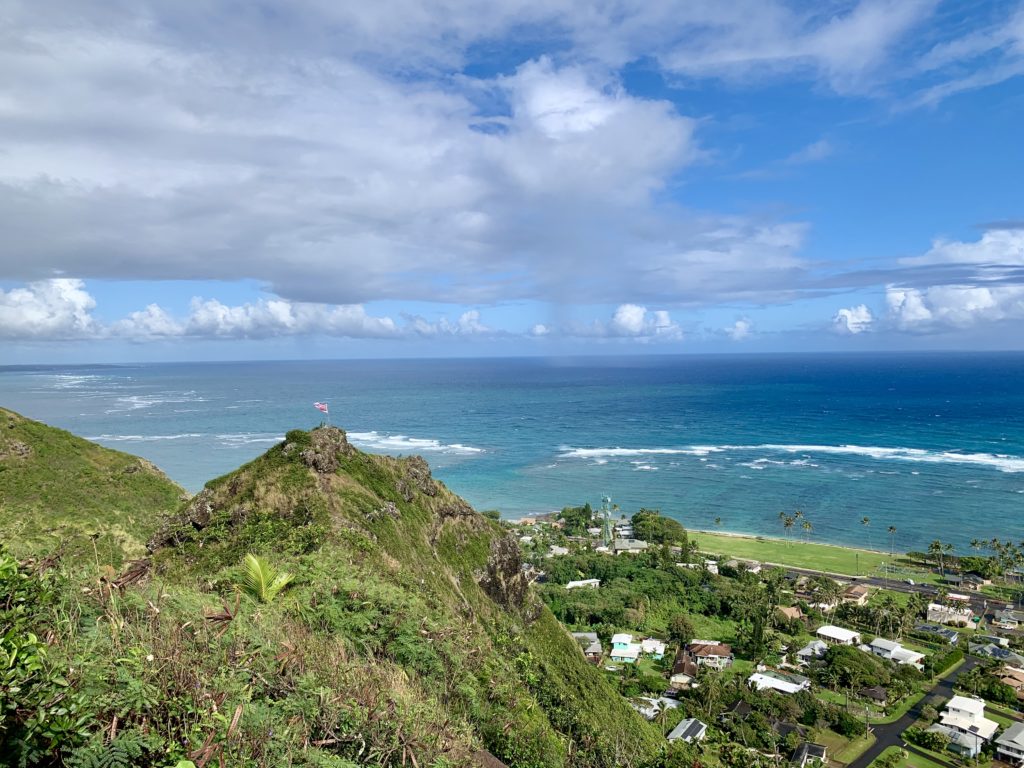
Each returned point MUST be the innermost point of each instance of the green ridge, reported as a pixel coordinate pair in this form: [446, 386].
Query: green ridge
[56, 488]
[408, 634]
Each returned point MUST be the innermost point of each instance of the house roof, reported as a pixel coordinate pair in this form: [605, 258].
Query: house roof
[709, 649]
[994, 651]
[779, 681]
[1013, 736]
[885, 645]
[934, 629]
[688, 729]
[809, 751]
[839, 634]
[979, 726]
[590, 637]
[813, 648]
[684, 664]
[876, 693]
[792, 612]
[856, 590]
[966, 704]
[621, 638]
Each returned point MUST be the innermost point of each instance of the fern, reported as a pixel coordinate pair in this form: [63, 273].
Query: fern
[126, 751]
[261, 581]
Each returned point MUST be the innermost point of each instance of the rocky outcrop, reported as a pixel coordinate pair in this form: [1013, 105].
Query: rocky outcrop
[505, 582]
[326, 448]
[14, 449]
[455, 508]
[388, 509]
[193, 517]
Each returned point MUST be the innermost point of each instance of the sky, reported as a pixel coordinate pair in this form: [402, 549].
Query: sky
[222, 180]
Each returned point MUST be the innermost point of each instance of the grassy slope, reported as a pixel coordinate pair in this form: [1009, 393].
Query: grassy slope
[58, 488]
[384, 648]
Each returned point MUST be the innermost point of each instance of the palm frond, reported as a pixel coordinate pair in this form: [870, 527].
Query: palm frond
[261, 581]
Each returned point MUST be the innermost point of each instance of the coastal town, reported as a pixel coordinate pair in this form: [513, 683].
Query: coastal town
[747, 662]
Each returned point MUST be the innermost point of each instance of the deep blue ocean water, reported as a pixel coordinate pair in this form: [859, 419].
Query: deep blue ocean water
[933, 444]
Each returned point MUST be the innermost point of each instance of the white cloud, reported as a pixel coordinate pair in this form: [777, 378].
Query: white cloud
[47, 309]
[741, 329]
[995, 247]
[853, 320]
[151, 322]
[632, 321]
[944, 307]
[539, 330]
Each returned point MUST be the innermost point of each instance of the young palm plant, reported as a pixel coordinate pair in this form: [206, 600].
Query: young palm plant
[261, 581]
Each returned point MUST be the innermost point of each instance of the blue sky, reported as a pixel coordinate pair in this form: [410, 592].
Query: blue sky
[468, 178]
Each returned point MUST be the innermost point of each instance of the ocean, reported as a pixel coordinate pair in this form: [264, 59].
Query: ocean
[932, 444]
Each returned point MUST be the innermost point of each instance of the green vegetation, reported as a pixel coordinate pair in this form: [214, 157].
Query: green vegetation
[57, 490]
[894, 757]
[407, 634]
[822, 557]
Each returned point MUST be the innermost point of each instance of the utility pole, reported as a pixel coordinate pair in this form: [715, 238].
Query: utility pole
[606, 514]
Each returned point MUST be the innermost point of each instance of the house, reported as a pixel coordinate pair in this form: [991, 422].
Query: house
[893, 651]
[595, 531]
[1007, 618]
[590, 645]
[710, 653]
[650, 707]
[950, 636]
[997, 652]
[1002, 642]
[1013, 677]
[877, 694]
[808, 754]
[688, 730]
[792, 613]
[684, 670]
[629, 546]
[773, 680]
[838, 635]
[955, 615]
[653, 647]
[812, 651]
[584, 584]
[1010, 746]
[965, 716]
[857, 594]
[624, 649]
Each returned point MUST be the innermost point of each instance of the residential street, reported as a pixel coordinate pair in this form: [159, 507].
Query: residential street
[890, 734]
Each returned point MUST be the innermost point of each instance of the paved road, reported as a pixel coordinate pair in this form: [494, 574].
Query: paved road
[890, 734]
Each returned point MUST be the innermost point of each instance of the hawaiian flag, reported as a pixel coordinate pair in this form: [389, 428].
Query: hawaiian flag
[320, 407]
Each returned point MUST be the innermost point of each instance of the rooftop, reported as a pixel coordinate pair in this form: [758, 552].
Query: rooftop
[838, 633]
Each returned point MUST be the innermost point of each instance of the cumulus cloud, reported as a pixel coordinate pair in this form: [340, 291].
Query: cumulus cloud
[741, 329]
[996, 247]
[468, 324]
[943, 307]
[853, 320]
[47, 309]
[632, 321]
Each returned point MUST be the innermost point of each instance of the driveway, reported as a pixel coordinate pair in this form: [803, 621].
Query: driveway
[891, 734]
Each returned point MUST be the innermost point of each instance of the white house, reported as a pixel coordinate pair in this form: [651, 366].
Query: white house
[584, 584]
[773, 680]
[651, 646]
[838, 635]
[688, 730]
[964, 721]
[890, 649]
[1010, 746]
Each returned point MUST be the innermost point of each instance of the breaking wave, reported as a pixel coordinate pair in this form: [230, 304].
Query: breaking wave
[1002, 462]
[405, 444]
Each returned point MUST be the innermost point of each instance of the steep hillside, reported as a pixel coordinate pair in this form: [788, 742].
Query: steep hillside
[408, 634]
[57, 488]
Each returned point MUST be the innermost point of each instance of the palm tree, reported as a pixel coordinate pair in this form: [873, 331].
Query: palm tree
[935, 550]
[866, 522]
[787, 523]
[947, 549]
[892, 541]
[261, 581]
[806, 525]
[977, 544]
[718, 522]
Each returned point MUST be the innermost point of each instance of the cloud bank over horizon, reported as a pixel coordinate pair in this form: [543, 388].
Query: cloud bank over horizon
[520, 171]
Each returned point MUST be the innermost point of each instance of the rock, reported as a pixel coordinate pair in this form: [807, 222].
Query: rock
[505, 582]
[327, 445]
[389, 509]
[15, 448]
[457, 508]
[417, 474]
[194, 517]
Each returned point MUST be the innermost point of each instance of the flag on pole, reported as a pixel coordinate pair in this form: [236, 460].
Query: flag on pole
[321, 407]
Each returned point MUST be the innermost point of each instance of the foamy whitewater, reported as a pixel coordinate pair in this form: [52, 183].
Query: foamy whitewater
[931, 444]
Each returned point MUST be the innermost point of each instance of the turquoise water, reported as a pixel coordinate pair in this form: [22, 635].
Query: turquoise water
[931, 444]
